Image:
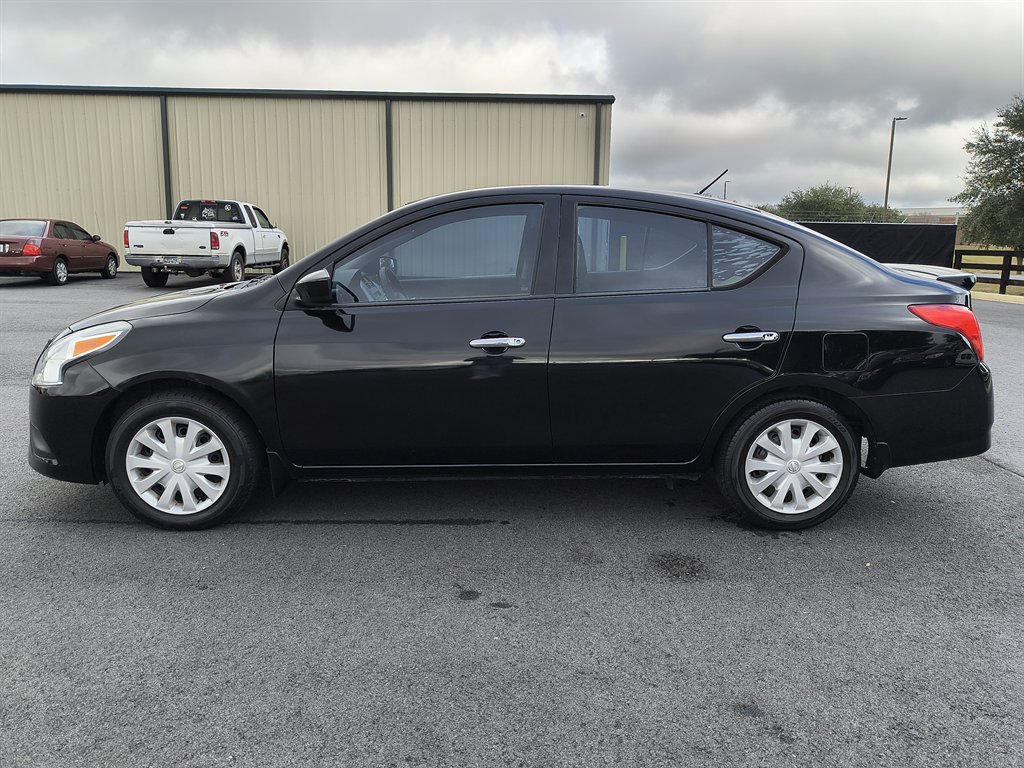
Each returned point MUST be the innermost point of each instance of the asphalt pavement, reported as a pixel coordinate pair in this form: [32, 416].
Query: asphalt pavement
[513, 623]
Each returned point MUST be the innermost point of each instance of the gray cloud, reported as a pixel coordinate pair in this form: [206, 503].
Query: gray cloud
[786, 95]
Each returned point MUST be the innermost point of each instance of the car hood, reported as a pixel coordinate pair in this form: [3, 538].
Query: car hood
[165, 304]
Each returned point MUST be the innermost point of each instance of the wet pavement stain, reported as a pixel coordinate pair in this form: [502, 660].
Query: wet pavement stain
[747, 710]
[467, 594]
[685, 568]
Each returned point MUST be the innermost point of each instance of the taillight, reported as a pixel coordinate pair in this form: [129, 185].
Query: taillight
[214, 241]
[31, 248]
[126, 238]
[956, 317]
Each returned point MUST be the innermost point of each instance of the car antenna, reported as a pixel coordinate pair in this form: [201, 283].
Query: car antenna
[713, 181]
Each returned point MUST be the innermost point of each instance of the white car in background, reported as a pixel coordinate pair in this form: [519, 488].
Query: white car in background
[217, 237]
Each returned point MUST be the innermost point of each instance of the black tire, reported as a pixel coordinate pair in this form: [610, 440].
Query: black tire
[58, 274]
[283, 264]
[109, 270]
[236, 269]
[238, 455]
[154, 278]
[776, 504]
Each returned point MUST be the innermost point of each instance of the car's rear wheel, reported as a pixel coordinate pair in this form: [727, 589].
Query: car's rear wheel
[236, 268]
[183, 460]
[58, 274]
[109, 270]
[284, 260]
[154, 278]
[789, 465]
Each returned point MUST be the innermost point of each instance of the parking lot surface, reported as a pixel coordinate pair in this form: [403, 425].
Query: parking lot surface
[519, 623]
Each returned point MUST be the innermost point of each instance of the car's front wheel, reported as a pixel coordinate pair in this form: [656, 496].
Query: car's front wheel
[109, 270]
[283, 264]
[183, 459]
[789, 465]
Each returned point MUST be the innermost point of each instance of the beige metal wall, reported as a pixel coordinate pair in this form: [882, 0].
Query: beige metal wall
[315, 167]
[442, 146]
[95, 160]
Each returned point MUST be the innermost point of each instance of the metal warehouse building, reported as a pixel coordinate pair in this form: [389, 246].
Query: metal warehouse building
[318, 162]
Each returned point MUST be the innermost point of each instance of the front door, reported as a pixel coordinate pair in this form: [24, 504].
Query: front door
[640, 362]
[435, 352]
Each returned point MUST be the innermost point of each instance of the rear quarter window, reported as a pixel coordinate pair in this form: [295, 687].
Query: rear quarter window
[737, 256]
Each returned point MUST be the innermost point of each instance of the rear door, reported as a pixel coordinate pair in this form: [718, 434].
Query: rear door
[649, 297]
[70, 246]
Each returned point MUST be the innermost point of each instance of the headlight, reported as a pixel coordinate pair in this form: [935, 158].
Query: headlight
[71, 346]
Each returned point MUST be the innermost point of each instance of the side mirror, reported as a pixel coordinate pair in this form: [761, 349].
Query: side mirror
[317, 290]
[95, 238]
[314, 289]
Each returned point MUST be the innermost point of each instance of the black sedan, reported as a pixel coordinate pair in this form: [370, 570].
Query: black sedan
[525, 331]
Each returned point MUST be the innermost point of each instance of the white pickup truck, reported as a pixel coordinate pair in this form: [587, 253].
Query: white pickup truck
[219, 237]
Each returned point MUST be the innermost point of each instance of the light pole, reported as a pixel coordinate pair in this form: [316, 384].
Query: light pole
[725, 190]
[888, 170]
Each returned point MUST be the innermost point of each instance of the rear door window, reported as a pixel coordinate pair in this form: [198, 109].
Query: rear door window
[626, 250]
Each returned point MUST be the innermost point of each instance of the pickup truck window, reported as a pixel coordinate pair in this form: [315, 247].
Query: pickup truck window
[261, 217]
[252, 219]
[209, 210]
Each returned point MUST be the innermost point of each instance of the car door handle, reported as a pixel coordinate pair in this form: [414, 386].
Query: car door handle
[499, 342]
[751, 337]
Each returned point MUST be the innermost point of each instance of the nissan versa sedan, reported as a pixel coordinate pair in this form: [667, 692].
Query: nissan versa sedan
[537, 331]
[52, 249]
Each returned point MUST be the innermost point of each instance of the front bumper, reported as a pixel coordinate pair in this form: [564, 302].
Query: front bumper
[931, 426]
[64, 426]
[177, 262]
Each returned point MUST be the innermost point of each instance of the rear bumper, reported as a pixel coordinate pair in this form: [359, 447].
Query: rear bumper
[15, 266]
[931, 426]
[176, 262]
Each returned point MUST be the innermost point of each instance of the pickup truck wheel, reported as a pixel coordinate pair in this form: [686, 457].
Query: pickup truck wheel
[236, 269]
[109, 270]
[58, 274]
[284, 260]
[154, 278]
[183, 460]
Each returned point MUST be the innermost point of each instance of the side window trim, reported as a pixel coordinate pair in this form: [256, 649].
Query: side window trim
[252, 219]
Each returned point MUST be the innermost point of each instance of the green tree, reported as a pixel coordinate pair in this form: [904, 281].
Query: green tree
[830, 202]
[994, 184]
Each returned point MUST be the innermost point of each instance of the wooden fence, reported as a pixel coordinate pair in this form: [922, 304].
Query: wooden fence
[969, 259]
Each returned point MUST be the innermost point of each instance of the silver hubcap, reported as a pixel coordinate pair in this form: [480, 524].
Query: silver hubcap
[793, 466]
[62, 271]
[112, 266]
[236, 273]
[177, 465]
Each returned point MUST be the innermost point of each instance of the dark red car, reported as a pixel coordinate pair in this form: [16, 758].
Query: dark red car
[52, 249]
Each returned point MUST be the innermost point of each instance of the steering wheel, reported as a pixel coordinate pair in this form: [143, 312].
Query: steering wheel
[389, 281]
[370, 288]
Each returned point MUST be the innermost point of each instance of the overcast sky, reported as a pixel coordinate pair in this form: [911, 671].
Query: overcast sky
[786, 95]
